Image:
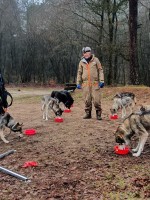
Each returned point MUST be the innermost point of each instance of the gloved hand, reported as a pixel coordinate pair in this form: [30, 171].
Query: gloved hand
[78, 86]
[101, 84]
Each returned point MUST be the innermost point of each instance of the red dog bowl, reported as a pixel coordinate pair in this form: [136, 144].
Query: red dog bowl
[59, 119]
[67, 110]
[30, 132]
[114, 116]
[121, 150]
[30, 164]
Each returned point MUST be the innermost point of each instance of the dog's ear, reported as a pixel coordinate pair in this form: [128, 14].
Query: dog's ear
[142, 108]
[116, 96]
[21, 124]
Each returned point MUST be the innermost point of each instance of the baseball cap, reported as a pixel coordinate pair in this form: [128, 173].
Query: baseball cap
[86, 49]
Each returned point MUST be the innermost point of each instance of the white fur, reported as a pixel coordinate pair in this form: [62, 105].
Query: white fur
[2, 136]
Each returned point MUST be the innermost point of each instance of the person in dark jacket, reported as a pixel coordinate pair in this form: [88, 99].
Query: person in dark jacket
[3, 96]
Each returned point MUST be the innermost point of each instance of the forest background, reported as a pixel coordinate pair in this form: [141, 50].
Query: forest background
[41, 40]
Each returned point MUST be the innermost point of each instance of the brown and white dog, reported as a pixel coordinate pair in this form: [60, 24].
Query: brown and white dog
[122, 101]
[137, 123]
[6, 120]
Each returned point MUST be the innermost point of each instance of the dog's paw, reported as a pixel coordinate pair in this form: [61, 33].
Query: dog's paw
[20, 136]
[6, 141]
[136, 154]
[134, 150]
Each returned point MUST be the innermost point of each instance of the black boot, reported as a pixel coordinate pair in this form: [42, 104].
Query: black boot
[87, 115]
[98, 115]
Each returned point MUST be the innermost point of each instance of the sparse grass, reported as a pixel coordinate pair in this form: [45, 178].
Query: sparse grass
[120, 183]
[77, 95]
[122, 196]
[28, 99]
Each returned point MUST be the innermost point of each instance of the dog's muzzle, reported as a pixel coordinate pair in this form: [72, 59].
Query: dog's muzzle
[59, 112]
[68, 105]
[120, 139]
[113, 111]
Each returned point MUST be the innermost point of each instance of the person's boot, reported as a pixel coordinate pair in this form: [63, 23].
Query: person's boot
[98, 115]
[87, 115]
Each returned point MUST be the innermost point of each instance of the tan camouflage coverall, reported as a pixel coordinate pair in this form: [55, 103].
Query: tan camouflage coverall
[89, 75]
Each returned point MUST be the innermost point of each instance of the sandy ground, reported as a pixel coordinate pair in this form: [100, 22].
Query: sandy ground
[76, 159]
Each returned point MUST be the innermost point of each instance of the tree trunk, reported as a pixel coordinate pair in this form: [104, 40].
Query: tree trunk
[133, 53]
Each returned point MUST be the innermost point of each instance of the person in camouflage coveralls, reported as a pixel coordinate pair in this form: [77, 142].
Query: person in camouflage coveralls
[90, 78]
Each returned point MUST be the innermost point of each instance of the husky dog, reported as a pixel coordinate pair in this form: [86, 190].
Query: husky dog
[63, 96]
[49, 103]
[8, 121]
[122, 101]
[137, 123]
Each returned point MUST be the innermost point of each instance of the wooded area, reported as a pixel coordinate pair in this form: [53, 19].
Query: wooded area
[41, 40]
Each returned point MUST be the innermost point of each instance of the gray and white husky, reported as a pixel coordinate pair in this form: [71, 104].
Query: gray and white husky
[137, 123]
[6, 120]
[49, 103]
[123, 101]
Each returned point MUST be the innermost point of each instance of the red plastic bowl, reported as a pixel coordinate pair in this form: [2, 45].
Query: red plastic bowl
[123, 151]
[30, 164]
[67, 110]
[30, 132]
[114, 117]
[58, 119]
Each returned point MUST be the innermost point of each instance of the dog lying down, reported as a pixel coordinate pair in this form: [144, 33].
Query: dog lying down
[7, 121]
[135, 124]
[49, 103]
[123, 101]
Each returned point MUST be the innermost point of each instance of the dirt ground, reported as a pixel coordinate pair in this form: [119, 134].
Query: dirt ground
[76, 159]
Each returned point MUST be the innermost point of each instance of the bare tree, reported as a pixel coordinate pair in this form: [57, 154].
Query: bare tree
[134, 67]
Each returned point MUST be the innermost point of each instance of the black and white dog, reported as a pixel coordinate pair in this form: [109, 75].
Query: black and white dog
[6, 120]
[63, 96]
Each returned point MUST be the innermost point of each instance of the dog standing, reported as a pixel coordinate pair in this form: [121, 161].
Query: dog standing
[122, 101]
[8, 121]
[64, 97]
[49, 103]
[137, 123]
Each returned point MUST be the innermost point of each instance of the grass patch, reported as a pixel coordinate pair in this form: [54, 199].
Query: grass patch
[29, 98]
